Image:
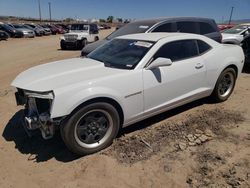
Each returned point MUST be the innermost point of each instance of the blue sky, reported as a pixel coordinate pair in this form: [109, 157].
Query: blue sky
[134, 9]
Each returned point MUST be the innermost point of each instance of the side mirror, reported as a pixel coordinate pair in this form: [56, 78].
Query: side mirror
[159, 62]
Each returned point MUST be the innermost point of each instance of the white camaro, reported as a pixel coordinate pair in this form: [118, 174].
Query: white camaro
[122, 82]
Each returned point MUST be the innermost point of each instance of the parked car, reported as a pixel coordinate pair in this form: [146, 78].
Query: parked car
[202, 26]
[47, 30]
[223, 27]
[105, 26]
[52, 29]
[246, 47]
[64, 27]
[38, 31]
[12, 32]
[3, 35]
[79, 35]
[61, 30]
[55, 30]
[26, 32]
[236, 34]
[90, 99]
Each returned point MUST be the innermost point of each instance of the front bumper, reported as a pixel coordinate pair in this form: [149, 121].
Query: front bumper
[71, 44]
[37, 113]
[29, 35]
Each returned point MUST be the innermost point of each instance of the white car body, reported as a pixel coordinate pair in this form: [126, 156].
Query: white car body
[140, 92]
[232, 38]
[237, 38]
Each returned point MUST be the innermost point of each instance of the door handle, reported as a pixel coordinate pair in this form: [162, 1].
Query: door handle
[199, 66]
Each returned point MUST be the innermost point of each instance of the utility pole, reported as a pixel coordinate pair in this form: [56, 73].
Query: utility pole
[230, 19]
[40, 15]
[50, 11]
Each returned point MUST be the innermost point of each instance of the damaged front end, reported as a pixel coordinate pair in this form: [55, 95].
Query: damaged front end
[37, 111]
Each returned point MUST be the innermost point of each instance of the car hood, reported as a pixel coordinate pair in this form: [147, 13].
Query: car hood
[55, 75]
[91, 47]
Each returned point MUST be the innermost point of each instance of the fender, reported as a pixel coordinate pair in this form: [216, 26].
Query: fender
[61, 107]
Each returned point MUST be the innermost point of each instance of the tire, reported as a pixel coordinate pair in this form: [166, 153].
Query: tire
[63, 47]
[91, 128]
[96, 39]
[224, 85]
[83, 43]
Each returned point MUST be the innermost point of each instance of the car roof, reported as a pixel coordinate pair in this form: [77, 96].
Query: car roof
[154, 37]
[153, 21]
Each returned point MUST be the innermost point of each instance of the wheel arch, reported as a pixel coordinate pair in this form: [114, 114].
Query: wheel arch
[108, 100]
[233, 67]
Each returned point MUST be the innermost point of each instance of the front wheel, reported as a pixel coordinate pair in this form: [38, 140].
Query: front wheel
[91, 128]
[224, 85]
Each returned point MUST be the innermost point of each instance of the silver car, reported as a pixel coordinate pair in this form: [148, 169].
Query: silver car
[26, 32]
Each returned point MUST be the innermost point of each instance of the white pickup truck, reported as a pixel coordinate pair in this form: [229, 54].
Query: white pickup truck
[128, 79]
[79, 36]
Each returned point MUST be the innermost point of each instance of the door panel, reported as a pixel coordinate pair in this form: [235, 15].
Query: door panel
[167, 85]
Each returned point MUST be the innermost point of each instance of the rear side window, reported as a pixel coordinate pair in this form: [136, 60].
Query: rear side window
[206, 28]
[163, 28]
[186, 27]
[178, 50]
[203, 47]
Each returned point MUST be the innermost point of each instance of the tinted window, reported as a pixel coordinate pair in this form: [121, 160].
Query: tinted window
[186, 27]
[178, 50]
[203, 47]
[206, 28]
[163, 28]
[79, 27]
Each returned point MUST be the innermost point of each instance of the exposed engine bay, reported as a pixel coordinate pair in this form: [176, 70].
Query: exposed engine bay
[37, 107]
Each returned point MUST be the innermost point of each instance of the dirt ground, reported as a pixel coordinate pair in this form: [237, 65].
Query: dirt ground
[201, 144]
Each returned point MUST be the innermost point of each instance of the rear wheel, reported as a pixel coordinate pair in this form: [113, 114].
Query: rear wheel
[84, 43]
[91, 128]
[225, 85]
[63, 46]
[96, 38]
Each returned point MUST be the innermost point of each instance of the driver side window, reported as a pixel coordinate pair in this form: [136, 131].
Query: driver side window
[178, 50]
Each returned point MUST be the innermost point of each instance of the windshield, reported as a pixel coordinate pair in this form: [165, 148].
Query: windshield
[32, 26]
[7, 27]
[130, 29]
[79, 27]
[236, 30]
[121, 53]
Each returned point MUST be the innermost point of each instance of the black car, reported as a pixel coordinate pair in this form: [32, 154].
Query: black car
[246, 48]
[203, 26]
[12, 32]
[3, 35]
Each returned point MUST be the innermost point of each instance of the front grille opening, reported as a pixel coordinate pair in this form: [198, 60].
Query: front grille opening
[43, 105]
